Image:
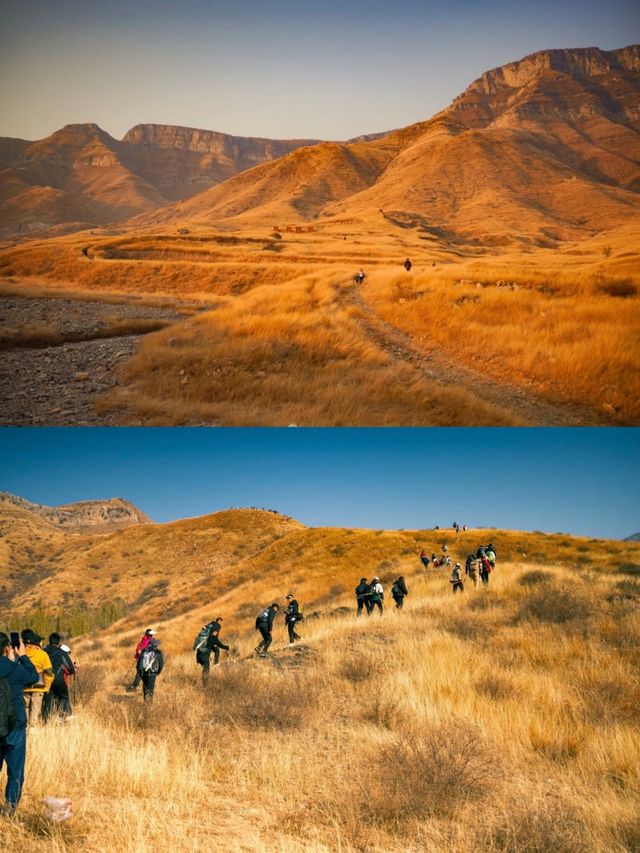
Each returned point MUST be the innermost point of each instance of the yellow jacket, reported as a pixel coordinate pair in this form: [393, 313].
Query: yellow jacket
[41, 660]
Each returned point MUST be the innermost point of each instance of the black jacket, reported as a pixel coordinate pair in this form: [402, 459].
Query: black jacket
[59, 659]
[363, 590]
[20, 673]
[291, 613]
[399, 589]
[266, 617]
[213, 642]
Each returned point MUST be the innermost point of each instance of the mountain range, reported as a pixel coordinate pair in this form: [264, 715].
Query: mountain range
[536, 151]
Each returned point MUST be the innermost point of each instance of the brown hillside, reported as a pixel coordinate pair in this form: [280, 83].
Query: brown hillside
[81, 176]
[551, 142]
[504, 718]
[235, 561]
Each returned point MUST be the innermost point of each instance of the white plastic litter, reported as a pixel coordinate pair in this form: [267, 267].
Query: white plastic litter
[58, 808]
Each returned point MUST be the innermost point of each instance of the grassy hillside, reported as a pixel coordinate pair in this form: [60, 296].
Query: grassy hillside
[470, 337]
[502, 719]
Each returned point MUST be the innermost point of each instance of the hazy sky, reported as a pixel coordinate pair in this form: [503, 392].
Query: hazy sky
[580, 481]
[274, 68]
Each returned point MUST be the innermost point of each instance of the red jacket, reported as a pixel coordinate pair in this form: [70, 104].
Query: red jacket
[142, 645]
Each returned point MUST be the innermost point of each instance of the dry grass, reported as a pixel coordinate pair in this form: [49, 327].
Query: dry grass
[288, 355]
[389, 734]
[43, 335]
[573, 337]
[289, 341]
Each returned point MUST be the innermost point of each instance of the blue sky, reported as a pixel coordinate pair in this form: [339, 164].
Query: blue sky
[580, 481]
[276, 69]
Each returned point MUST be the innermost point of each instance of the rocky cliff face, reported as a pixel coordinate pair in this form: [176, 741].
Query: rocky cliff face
[584, 62]
[83, 516]
[244, 151]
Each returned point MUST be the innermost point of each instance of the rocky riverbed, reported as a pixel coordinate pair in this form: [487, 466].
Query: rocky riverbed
[59, 385]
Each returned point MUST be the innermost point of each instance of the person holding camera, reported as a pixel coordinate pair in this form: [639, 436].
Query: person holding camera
[16, 673]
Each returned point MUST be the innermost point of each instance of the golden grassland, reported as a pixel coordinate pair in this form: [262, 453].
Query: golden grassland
[502, 719]
[287, 338]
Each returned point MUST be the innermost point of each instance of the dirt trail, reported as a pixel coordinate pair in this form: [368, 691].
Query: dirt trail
[525, 407]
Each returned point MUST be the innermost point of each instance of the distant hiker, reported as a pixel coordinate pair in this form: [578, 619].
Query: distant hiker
[472, 568]
[143, 642]
[456, 578]
[424, 559]
[399, 591]
[57, 699]
[444, 548]
[35, 693]
[359, 277]
[447, 560]
[292, 615]
[491, 556]
[207, 641]
[408, 265]
[264, 624]
[377, 595]
[363, 592]
[150, 665]
[485, 569]
[456, 527]
[16, 674]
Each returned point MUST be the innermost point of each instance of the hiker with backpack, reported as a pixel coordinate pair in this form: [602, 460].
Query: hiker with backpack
[399, 591]
[456, 578]
[35, 693]
[363, 592]
[408, 265]
[57, 699]
[424, 558]
[472, 569]
[207, 641]
[17, 673]
[264, 624]
[292, 615]
[150, 665]
[377, 595]
[485, 569]
[143, 643]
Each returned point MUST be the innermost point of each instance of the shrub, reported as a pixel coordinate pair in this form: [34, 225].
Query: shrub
[263, 699]
[535, 577]
[431, 774]
[541, 826]
[632, 569]
[555, 604]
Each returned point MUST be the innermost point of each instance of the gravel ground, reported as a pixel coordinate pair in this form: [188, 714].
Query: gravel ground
[58, 386]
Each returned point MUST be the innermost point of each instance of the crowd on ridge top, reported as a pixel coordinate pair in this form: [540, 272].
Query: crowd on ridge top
[34, 682]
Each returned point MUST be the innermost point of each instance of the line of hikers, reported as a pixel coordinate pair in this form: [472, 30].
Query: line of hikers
[477, 567]
[370, 594]
[34, 687]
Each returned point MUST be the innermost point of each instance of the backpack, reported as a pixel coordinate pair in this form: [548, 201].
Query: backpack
[7, 708]
[149, 661]
[262, 617]
[396, 592]
[202, 638]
